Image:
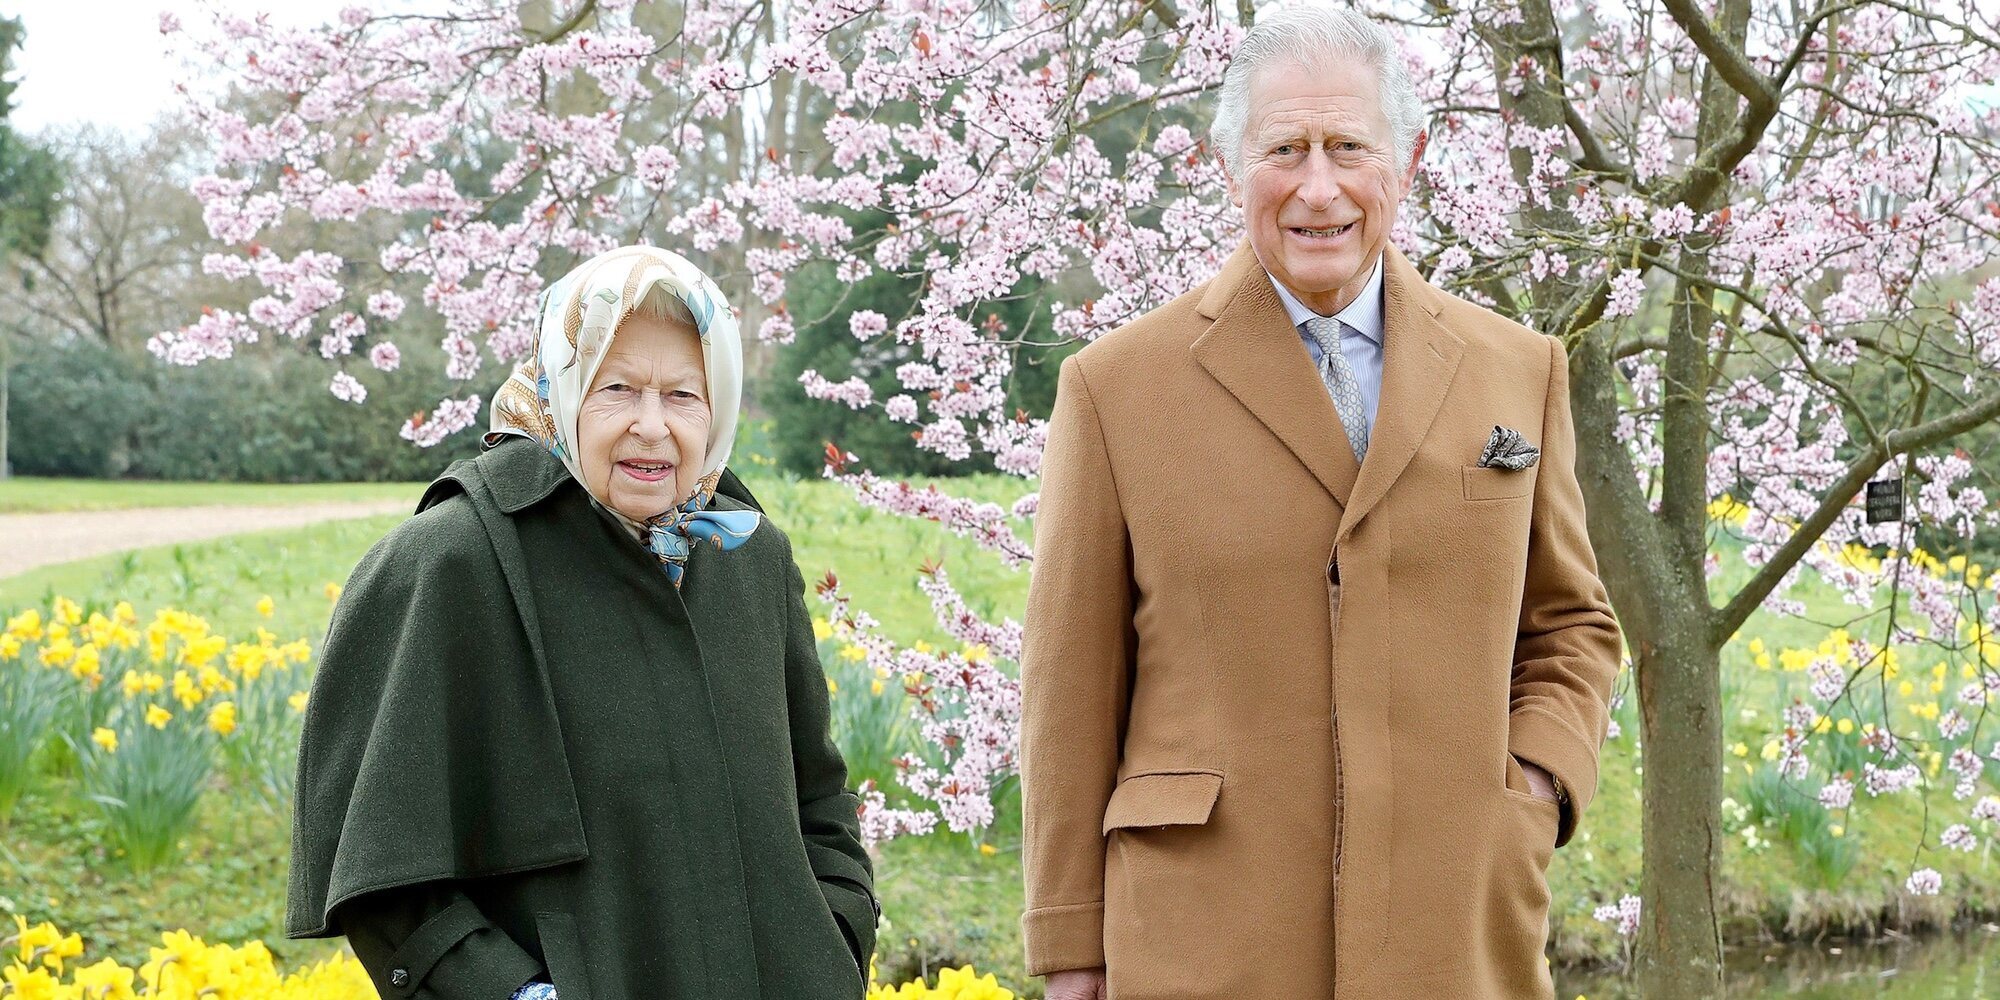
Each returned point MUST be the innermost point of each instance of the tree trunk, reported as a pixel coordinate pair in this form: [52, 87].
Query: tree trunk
[1680, 701]
[6, 371]
[1660, 591]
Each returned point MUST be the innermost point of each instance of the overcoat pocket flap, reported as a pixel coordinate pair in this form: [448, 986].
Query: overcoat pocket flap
[1162, 799]
[1498, 484]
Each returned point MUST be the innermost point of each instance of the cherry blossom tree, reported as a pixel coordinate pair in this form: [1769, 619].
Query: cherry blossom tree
[1758, 228]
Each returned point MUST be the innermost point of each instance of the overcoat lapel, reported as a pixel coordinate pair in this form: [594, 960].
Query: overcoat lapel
[1419, 359]
[1255, 352]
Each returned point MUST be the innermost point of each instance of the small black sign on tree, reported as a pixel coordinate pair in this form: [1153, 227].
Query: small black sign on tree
[1885, 501]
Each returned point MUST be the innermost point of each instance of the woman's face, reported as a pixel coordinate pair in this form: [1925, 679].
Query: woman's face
[642, 431]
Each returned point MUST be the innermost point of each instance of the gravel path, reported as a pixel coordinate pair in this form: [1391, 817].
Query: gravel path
[31, 540]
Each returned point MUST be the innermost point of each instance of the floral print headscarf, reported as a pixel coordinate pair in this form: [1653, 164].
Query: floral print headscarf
[580, 314]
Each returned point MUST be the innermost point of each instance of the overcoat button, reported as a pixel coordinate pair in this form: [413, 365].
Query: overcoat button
[399, 978]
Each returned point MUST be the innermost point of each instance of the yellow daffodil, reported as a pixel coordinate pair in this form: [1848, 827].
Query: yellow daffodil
[67, 611]
[266, 606]
[56, 653]
[822, 630]
[87, 664]
[332, 591]
[199, 652]
[106, 980]
[214, 681]
[158, 717]
[1728, 510]
[186, 691]
[222, 718]
[105, 738]
[247, 660]
[31, 984]
[99, 629]
[124, 636]
[297, 701]
[29, 941]
[26, 626]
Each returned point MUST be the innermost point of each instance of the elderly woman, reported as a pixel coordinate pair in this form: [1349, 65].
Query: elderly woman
[570, 735]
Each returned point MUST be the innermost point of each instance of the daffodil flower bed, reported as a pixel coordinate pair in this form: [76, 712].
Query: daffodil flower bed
[47, 964]
[143, 714]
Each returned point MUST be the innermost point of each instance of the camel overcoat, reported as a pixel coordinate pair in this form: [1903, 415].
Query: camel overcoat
[1273, 698]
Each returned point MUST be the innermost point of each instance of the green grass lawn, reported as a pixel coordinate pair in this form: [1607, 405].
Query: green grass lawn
[876, 556]
[30, 495]
[947, 901]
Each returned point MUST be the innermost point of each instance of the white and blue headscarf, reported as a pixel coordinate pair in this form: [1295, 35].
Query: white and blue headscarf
[580, 314]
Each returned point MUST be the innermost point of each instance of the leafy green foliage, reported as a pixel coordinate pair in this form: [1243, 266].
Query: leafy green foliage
[78, 408]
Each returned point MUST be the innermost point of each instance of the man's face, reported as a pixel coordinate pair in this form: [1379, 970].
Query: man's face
[1320, 178]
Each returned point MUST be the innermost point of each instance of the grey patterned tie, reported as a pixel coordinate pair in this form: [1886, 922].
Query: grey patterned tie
[1340, 382]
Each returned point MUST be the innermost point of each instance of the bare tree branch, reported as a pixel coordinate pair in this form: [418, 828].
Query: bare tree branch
[1731, 616]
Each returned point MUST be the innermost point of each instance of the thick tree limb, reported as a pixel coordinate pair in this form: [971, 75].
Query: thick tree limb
[1595, 157]
[1729, 61]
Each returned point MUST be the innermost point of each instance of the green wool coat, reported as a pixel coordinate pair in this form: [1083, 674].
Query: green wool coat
[526, 755]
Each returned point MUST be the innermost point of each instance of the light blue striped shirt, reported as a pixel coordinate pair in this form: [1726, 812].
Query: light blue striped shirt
[1363, 316]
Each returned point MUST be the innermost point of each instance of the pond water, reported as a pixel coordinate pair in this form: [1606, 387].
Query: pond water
[1963, 965]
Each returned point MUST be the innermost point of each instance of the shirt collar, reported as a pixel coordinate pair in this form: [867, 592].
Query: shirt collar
[1363, 315]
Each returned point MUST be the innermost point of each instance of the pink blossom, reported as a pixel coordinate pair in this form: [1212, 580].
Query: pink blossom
[346, 388]
[901, 408]
[450, 417]
[1888, 781]
[867, 324]
[1626, 290]
[1924, 882]
[1623, 915]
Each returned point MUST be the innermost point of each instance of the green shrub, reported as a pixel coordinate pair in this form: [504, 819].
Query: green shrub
[77, 408]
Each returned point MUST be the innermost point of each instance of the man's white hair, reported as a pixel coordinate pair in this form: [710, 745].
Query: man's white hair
[1312, 35]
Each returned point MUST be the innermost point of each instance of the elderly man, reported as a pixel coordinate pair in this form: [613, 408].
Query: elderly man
[1317, 659]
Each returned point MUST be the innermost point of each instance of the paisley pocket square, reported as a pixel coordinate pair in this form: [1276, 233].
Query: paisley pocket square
[1507, 449]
